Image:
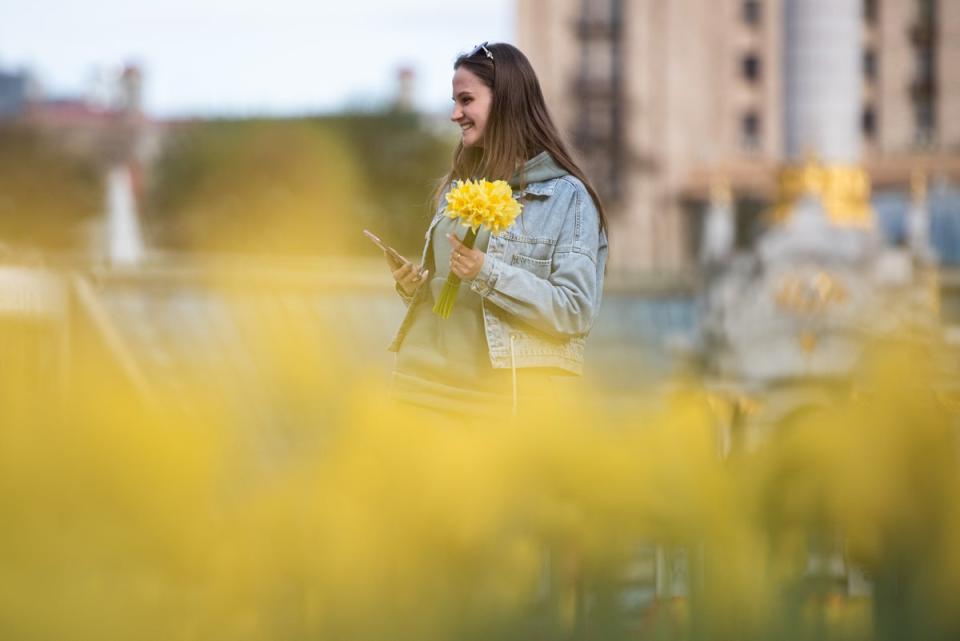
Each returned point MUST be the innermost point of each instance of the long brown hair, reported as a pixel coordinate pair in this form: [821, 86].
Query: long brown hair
[519, 126]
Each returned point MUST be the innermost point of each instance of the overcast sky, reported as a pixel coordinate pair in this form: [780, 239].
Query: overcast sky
[205, 57]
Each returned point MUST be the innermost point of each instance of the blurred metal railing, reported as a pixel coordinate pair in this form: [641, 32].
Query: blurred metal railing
[179, 312]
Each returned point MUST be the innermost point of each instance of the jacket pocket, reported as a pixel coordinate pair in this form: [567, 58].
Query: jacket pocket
[537, 266]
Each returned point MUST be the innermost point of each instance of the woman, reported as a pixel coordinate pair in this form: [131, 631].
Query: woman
[529, 295]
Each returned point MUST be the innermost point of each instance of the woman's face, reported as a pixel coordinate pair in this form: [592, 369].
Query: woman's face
[471, 105]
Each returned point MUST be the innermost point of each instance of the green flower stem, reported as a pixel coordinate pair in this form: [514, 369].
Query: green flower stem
[448, 295]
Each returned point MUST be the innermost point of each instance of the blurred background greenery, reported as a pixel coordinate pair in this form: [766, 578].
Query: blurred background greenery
[254, 186]
[297, 186]
[47, 193]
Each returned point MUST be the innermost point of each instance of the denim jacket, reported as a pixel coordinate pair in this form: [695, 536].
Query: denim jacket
[541, 280]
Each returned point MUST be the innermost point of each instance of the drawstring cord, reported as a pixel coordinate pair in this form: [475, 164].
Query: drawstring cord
[513, 373]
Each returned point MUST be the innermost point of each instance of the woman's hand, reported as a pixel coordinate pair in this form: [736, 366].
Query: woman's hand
[407, 276]
[464, 261]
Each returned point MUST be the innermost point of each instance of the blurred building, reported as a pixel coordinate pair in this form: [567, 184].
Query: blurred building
[665, 99]
[16, 91]
[106, 124]
[406, 85]
[115, 100]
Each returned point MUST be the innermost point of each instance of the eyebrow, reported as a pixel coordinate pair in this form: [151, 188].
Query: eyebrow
[461, 94]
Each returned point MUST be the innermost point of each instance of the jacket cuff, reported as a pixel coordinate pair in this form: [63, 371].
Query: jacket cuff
[486, 279]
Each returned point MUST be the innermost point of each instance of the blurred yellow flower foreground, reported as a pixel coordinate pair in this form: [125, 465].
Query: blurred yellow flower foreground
[333, 515]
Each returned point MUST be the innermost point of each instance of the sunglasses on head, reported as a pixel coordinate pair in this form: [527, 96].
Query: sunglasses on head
[480, 47]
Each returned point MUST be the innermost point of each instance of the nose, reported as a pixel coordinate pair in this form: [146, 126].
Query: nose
[457, 113]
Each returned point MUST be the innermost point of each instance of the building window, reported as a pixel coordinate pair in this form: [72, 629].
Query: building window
[924, 88]
[751, 12]
[869, 122]
[924, 63]
[750, 130]
[926, 123]
[870, 65]
[750, 67]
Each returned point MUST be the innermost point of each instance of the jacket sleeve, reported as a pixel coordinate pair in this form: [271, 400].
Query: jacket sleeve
[565, 303]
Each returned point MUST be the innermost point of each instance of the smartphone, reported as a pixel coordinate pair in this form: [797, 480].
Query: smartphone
[391, 252]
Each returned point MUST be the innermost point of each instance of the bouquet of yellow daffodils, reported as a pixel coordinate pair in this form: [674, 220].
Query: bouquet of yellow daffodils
[476, 203]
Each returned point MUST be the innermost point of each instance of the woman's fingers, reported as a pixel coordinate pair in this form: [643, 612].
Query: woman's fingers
[410, 275]
[457, 248]
[393, 262]
[466, 259]
[402, 272]
[466, 263]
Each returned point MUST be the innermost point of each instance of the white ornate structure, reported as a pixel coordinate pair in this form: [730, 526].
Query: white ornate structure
[820, 280]
[124, 238]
